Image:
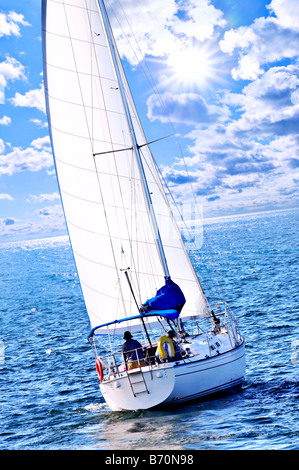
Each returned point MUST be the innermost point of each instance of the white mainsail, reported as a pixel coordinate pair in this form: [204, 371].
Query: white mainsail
[99, 178]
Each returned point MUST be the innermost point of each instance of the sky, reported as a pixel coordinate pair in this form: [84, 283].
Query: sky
[222, 76]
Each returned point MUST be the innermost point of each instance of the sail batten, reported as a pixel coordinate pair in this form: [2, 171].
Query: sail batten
[101, 186]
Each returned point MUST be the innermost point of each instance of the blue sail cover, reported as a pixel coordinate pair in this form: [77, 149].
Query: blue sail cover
[169, 296]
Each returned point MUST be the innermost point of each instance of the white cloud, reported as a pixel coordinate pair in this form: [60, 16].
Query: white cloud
[6, 196]
[5, 121]
[287, 13]
[39, 123]
[50, 211]
[9, 24]
[51, 219]
[43, 197]
[200, 19]
[34, 158]
[241, 37]
[155, 39]
[249, 68]
[265, 41]
[32, 99]
[10, 69]
[42, 143]
[268, 102]
[168, 24]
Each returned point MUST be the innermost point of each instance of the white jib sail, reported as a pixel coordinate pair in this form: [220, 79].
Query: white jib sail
[102, 195]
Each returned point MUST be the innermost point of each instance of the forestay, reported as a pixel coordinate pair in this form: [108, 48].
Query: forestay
[99, 178]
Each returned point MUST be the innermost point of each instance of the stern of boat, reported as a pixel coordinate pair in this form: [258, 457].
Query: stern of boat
[140, 388]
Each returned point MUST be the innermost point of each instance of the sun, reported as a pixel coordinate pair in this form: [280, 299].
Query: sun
[192, 65]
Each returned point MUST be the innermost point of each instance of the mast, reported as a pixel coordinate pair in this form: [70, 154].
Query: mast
[136, 147]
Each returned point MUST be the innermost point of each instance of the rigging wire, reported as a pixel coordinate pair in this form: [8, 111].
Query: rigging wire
[132, 264]
[142, 62]
[187, 228]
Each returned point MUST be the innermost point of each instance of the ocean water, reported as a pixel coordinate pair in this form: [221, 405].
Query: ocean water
[49, 392]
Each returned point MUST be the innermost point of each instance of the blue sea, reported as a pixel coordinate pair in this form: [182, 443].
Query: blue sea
[50, 399]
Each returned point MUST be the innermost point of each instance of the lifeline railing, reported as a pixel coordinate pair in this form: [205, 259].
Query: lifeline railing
[117, 366]
[231, 324]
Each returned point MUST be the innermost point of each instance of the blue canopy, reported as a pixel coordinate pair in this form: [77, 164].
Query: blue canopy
[170, 314]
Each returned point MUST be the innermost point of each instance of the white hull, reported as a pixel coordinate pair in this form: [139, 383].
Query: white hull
[208, 376]
[174, 383]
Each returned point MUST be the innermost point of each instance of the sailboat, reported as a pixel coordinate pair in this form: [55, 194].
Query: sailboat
[135, 272]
